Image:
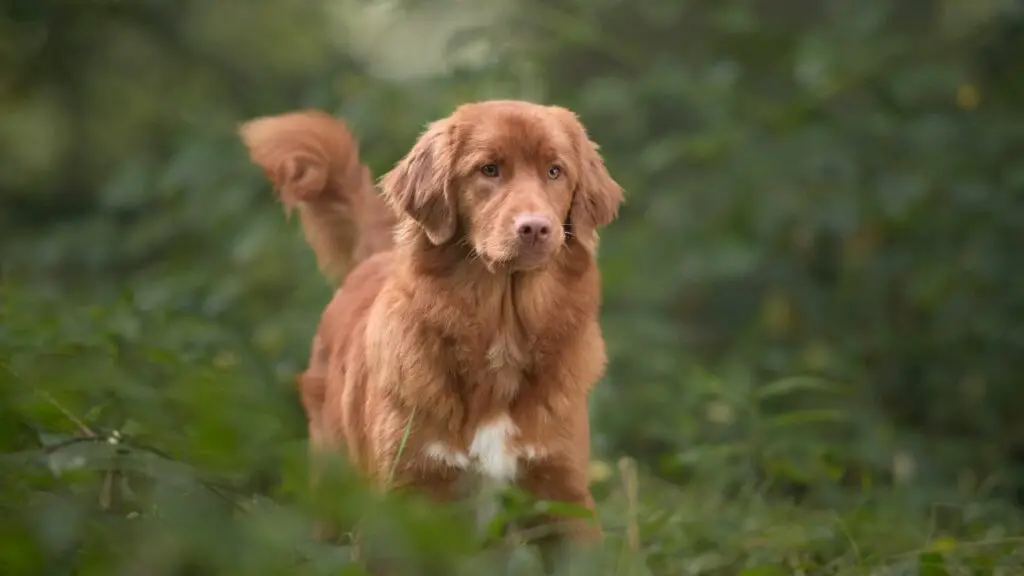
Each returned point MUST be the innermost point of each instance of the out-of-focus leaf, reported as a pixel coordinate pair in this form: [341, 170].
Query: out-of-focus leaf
[792, 385]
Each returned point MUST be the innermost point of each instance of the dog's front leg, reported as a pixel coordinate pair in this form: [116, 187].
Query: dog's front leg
[564, 481]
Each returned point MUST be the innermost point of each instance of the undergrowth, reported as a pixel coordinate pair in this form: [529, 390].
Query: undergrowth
[139, 444]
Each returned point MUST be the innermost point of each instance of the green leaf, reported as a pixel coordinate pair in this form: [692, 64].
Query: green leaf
[802, 417]
[931, 564]
[561, 509]
[787, 386]
[765, 570]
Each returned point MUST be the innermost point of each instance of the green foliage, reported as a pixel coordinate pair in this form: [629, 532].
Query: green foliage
[812, 303]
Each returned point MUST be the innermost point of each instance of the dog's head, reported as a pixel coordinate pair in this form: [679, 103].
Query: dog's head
[515, 181]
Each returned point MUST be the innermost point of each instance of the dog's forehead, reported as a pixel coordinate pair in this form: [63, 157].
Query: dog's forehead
[513, 130]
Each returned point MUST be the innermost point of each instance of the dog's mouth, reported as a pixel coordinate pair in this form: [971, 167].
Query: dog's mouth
[528, 260]
[519, 261]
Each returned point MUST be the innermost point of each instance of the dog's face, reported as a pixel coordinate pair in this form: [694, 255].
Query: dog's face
[513, 180]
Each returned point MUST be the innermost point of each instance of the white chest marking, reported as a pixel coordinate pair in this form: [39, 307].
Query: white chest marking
[491, 453]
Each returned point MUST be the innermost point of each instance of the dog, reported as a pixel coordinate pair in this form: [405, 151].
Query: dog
[464, 340]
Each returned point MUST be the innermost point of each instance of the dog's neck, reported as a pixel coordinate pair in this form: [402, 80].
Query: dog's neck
[550, 299]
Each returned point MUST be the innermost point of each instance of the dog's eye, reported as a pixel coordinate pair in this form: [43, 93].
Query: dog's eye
[554, 172]
[489, 170]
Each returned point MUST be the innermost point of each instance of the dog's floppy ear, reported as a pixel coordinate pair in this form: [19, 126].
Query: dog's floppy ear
[420, 184]
[597, 196]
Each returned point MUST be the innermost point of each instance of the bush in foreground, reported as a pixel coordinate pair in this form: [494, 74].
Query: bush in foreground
[135, 444]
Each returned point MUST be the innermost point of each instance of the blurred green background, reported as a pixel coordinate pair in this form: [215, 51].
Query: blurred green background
[812, 306]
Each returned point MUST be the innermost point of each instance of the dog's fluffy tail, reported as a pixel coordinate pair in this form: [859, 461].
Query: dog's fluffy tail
[313, 162]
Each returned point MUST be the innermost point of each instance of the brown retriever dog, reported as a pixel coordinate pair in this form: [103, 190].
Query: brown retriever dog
[469, 326]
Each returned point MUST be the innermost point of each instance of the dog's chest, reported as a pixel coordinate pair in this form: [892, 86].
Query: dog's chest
[497, 451]
[495, 458]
